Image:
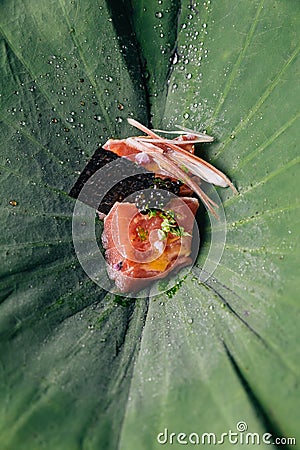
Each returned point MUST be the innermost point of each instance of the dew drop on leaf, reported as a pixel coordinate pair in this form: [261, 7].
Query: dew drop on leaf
[175, 58]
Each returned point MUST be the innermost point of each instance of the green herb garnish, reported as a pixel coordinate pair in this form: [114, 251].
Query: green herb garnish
[169, 224]
[152, 213]
[142, 233]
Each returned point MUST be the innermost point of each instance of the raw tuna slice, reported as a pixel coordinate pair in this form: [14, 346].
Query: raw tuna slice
[138, 251]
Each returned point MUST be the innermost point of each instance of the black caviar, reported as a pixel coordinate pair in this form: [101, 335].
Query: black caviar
[121, 180]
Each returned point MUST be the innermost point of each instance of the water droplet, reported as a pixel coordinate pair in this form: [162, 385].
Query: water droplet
[189, 76]
[190, 321]
[120, 107]
[204, 25]
[97, 117]
[159, 15]
[54, 120]
[175, 58]
[82, 103]
[13, 202]
[232, 136]
[186, 115]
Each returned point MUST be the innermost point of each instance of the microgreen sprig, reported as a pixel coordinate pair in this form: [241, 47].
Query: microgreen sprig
[169, 224]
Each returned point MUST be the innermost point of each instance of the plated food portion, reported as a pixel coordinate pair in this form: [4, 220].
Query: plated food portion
[174, 158]
[149, 213]
[145, 246]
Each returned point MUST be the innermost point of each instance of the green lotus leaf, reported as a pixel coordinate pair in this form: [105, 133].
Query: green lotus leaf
[85, 369]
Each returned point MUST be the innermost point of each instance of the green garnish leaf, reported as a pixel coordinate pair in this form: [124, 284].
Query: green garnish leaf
[152, 213]
[142, 233]
[169, 224]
